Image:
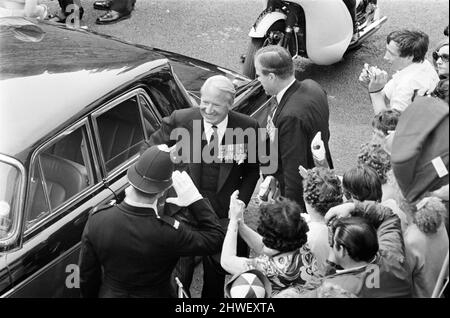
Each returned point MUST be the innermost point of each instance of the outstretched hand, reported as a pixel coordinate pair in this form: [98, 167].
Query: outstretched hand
[237, 207]
[187, 192]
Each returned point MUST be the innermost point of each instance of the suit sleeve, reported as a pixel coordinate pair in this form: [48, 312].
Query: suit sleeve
[251, 172]
[293, 146]
[162, 135]
[387, 224]
[90, 267]
[206, 238]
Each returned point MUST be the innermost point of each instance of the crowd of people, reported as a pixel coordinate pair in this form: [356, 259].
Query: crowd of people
[380, 230]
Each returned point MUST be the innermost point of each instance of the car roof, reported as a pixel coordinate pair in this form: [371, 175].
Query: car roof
[45, 82]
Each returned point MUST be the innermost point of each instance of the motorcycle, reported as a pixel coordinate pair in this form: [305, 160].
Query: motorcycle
[321, 30]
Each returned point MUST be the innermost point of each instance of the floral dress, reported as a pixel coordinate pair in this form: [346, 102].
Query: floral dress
[286, 269]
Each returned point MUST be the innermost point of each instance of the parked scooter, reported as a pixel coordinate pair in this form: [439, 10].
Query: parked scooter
[320, 30]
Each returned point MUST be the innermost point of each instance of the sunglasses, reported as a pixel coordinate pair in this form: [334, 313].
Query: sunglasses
[444, 57]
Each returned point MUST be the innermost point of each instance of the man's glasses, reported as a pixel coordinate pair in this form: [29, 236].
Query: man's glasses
[444, 57]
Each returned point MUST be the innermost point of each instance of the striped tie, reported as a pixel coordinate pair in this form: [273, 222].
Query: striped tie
[213, 140]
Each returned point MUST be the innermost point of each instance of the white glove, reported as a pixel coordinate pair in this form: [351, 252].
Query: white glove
[237, 207]
[187, 192]
[318, 147]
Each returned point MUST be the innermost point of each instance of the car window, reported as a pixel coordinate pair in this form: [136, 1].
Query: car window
[9, 181]
[167, 94]
[151, 119]
[60, 171]
[121, 133]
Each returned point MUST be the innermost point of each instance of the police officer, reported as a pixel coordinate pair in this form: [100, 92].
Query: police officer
[130, 249]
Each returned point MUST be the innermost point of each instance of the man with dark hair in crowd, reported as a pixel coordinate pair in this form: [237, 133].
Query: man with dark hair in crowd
[406, 51]
[117, 10]
[300, 111]
[362, 183]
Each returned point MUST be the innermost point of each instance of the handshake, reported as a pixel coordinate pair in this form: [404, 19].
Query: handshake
[373, 78]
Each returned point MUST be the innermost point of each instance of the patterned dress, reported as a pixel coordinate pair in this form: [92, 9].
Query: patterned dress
[286, 269]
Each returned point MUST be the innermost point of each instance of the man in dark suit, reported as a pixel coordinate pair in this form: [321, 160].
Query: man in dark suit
[233, 168]
[301, 112]
[117, 10]
[130, 249]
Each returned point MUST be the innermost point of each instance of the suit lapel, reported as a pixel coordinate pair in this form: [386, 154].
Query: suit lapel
[284, 99]
[195, 169]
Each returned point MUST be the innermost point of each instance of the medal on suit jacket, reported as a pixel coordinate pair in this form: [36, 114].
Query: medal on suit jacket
[270, 126]
[233, 152]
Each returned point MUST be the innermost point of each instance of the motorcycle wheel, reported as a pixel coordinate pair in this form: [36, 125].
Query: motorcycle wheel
[257, 43]
[249, 67]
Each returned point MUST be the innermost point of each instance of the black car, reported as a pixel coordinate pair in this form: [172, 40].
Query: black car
[76, 108]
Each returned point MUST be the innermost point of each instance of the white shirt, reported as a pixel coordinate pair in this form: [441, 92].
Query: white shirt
[221, 128]
[420, 77]
[281, 93]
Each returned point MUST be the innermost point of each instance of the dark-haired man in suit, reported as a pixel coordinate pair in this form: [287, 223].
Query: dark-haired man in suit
[301, 112]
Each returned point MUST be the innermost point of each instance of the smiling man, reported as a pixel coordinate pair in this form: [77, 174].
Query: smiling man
[214, 123]
[405, 51]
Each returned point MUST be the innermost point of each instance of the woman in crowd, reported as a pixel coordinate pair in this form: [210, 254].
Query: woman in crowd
[440, 59]
[375, 157]
[321, 191]
[280, 242]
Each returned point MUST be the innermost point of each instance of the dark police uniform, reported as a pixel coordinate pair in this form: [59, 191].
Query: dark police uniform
[130, 251]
